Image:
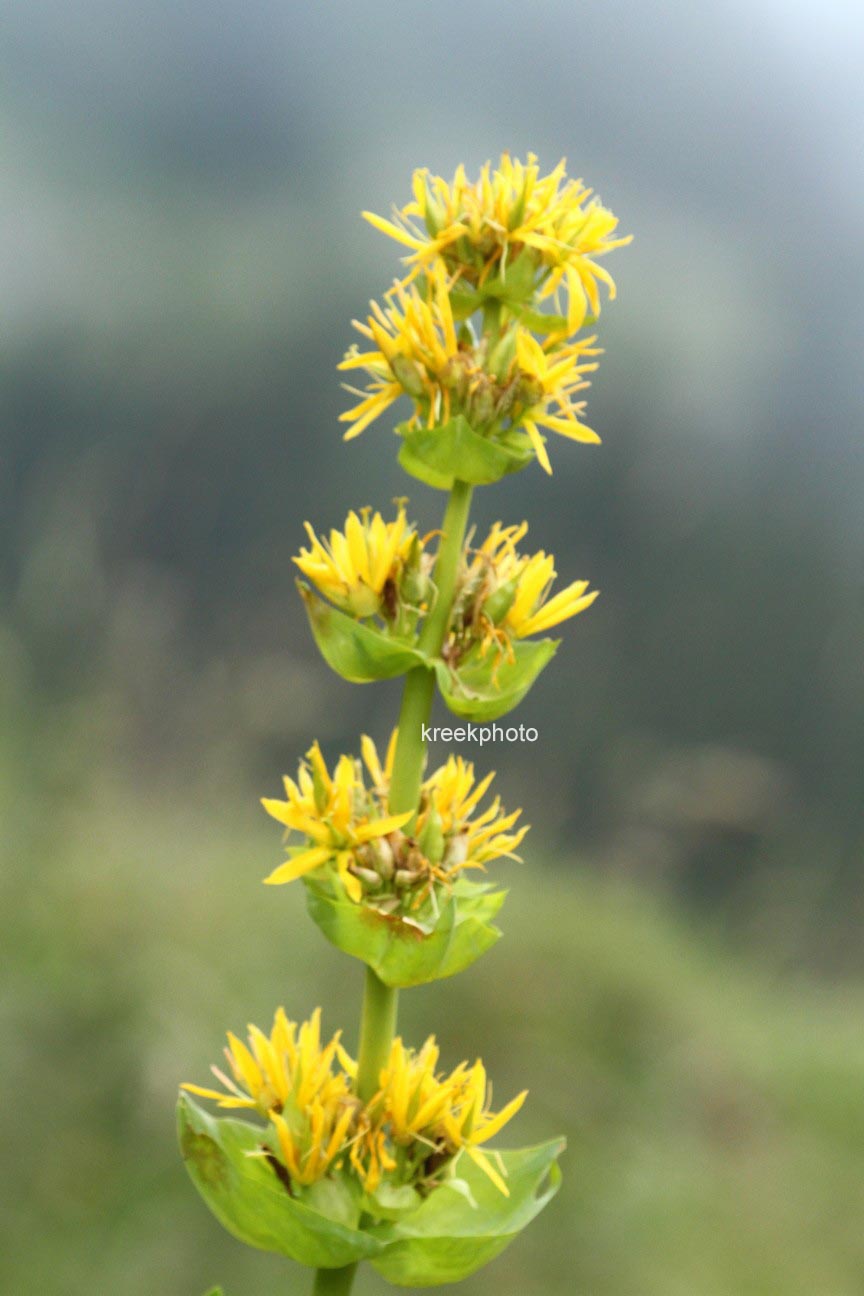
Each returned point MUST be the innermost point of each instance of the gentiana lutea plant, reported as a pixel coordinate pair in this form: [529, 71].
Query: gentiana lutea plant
[387, 1156]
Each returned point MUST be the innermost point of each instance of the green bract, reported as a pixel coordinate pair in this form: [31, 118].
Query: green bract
[400, 953]
[358, 652]
[484, 688]
[439, 456]
[418, 1242]
[245, 1195]
[448, 1238]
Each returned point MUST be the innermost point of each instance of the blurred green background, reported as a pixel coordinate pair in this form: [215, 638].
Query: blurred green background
[681, 985]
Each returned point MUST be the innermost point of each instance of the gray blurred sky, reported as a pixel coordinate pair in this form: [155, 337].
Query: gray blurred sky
[180, 243]
[176, 163]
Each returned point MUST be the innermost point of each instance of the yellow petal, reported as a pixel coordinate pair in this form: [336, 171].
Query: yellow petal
[495, 1123]
[539, 447]
[299, 865]
[387, 227]
[481, 1159]
[224, 1100]
[380, 827]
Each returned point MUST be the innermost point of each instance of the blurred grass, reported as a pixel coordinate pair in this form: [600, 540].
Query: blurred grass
[714, 1113]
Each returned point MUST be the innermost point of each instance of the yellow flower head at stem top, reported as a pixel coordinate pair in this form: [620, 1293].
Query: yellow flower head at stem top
[504, 595]
[360, 568]
[510, 216]
[352, 844]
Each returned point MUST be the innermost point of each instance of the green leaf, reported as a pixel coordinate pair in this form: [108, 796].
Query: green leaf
[215, 1291]
[390, 1202]
[542, 321]
[484, 688]
[516, 283]
[245, 1195]
[464, 301]
[446, 1240]
[473, 932]
[399, 953]
[356, 651]
[455, 452]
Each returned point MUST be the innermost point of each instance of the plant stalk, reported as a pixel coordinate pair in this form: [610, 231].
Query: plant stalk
[377, 1028]
[380, 1002]
[420, 682]
[334, 1282]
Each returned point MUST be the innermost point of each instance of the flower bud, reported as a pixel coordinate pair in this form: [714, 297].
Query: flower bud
[431, 839]
[530, 390]
[434, 215]
[499, 604]
[481, 407]
[455, 375]
[383, 854]
[364, 856]
[502, 354]
[409, 375]
[507, 399]
[368, 876]
[457, 851]
[414, 585]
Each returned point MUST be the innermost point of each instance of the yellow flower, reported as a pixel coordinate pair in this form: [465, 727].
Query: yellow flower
[356, 566]
[553, 376]
[475, 1123]
[344, 821]
[287, 1066]
[323, 1135]
[437, 1117]
[453, 795]
[336, 815]
[510, 591]
[412, 1099]
[414, 1125]
[479, 228]
[289, 1078]
[415, 343]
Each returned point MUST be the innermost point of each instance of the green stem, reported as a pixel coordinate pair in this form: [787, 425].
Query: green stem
[380, 1002]
[334, 1282]
[420, 682]
[377, 1028]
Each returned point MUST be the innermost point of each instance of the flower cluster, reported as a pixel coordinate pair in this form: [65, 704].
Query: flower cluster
[409, 1133]
[288, 1077]
[498, 248]
[416, 354]
[350, 840]
[504, 595]
[507, 214]
[430, 1119]
[335, 815]
[370, 568]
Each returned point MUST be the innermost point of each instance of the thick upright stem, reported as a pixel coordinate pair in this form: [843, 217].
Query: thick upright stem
[377, 1028]
[420, 682]
[380, 1002]
[334, 1282]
